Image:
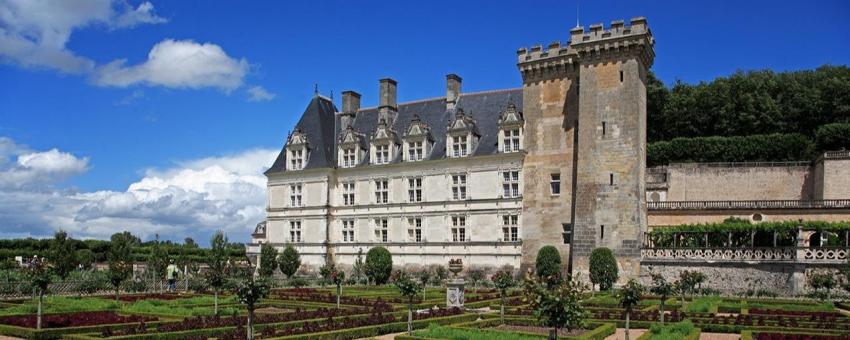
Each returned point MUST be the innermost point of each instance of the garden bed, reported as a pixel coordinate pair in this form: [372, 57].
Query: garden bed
[77, 319]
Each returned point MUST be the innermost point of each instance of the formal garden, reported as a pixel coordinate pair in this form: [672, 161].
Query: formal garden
[229, 297]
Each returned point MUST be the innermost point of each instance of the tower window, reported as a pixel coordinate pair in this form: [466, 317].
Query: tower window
[567, 232]
[604, 128]
[555, 183]
[611, 179]
[601, 231]
[621, 76]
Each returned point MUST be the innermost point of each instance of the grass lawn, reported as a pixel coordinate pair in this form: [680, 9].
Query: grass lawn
[443, 332]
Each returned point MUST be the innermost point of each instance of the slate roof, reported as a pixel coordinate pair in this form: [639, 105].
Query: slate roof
[323, 130]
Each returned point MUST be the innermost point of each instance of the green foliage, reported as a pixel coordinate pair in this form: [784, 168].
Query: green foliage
[249, 291]
[379, 265]
[678, 330]
[630, 294]
[442, 332]
[289, 261]
[168, 308]
[548, 262]
[440, 274]
[603, 268]
[38, 274]
[834, 136]
[357, 271]
[424, 276]
[120, 257]
[825, 281]
[738, 225]
[705, 304]
[337, 277]
[661, 286]
[745, 103]
[268, 260]
[476, 275]
[689, 280]
[217, 261]
[555, 306]
[63, 256]
[158, 259]
[85, 257]
[62, 304]
[91, 281]
[503, 280]
[752, 148]
[406, 286]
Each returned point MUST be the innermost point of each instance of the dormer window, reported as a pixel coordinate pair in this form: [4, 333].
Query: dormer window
[417, 140]
[510, 129]
[297, 150]
[382, 154]
[350, 149]
[384, 144]
[462, 135]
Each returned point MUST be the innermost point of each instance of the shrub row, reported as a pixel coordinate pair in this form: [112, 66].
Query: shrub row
[754, 148]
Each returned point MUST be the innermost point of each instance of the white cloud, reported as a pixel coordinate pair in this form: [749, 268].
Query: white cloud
[178, 64]
[34, 33]
[193, 198]
[259, 94]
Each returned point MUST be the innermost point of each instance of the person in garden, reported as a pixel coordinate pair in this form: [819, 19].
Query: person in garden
[171, 273]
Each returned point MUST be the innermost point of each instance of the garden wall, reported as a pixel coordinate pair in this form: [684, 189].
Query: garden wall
[709, 182]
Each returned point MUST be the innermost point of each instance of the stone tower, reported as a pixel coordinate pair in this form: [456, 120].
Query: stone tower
[585, 104]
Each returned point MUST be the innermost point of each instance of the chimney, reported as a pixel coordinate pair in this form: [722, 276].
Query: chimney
[453, 82]
[350, 106]
[388, 106]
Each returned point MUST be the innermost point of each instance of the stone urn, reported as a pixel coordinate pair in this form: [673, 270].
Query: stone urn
[455, 266]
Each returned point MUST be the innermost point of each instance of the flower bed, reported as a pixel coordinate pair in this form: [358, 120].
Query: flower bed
[73, 319]
[331, 324]
[796, 336]
[316, 296]
[134, 298]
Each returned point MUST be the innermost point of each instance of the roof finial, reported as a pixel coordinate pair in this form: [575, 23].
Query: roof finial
[577, 22]
[316, 89]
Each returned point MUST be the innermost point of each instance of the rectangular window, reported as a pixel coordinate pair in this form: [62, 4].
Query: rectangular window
[459, 146]
[349, 158]
[611, 179]
[297, 159]
[601, 231]
[347, 231]
[459, 187]
[510, 183]
[510, 228]
[382, 192]
[348, 189]
[295, 195]
[604, 128]
[555, 183]
[511, 140]
[414, 189]
[621, 76]
[381, 230]
[567, 232]
[416, 151]
[458, 229]
[382, 154]
[294, 231]
[414, 229]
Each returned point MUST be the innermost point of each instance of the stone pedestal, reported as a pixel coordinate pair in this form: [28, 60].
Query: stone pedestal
[454, 293]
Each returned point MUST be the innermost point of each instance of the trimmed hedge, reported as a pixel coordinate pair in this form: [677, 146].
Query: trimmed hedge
[548, 262]
[753, 148]
[379, 265]
[603, 268]
[371, 331]
[597, 330]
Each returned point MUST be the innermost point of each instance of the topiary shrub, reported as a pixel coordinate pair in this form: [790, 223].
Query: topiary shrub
[603, 268]
[379, 265]
[548, 262]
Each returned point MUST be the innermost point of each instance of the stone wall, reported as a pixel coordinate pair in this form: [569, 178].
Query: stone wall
[836, 178]
[739, 182]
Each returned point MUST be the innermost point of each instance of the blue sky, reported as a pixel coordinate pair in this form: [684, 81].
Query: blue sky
[122, 123]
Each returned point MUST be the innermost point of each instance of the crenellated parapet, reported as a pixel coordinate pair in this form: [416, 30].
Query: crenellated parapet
[593, 44]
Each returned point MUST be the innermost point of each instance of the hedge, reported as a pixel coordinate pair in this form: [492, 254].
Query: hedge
[748, 333]
[753, 148]
[599, 331]
[693, 335]
[738, 225]
[548, 262]
[371, 331]
[832, 137]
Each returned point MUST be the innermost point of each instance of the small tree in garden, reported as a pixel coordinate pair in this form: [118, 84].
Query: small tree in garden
[157, 260]
[629, 298]
[476, 275]
[357, 270]
[38, 274]
[697, 279]
[337, 277]
[556, 305]
[408, 288]
[379, 265]
[249, 291]
[120, 258]
[503, 280]
[424, 279]
[325, 273]
[217, 263]
[289, 261]
[63, 255]
[662, 288]
[603, 268]
[548, 262]
[268, 260]
[823, 281]
[440, 274]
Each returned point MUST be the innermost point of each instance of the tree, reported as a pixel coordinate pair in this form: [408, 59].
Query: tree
[424, 278]
[503, 280]
[824, 281]
[120, 258]
[268, 260]
[555, 304]
[289, 261]
[629, 298]
[337, 277]
[63, 255]
[38, 274]
[217, 263]
[85, 257]
[407, 288]
[476, 275]
[357, 270]
[158, 260]
[190, 243]
[663, 289]
[249, 291]
[379, 265]
[440, 274]
[603, 268]
[548, 262]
